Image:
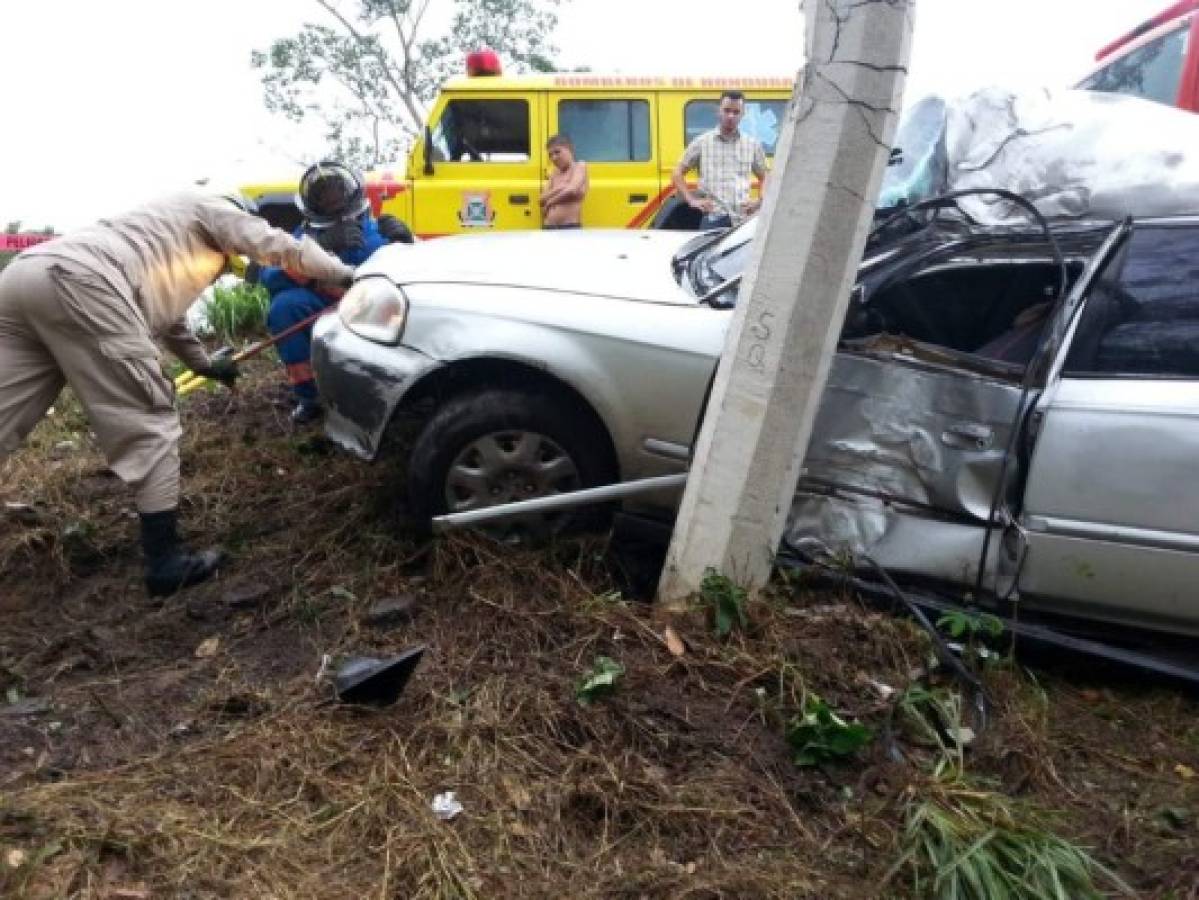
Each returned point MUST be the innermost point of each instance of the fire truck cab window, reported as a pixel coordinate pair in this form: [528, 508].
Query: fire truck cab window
[494, 131]
[763, 120]
[1152, 71]
[606, 130]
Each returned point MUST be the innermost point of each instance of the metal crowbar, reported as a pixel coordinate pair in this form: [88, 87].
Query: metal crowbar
[190, 381]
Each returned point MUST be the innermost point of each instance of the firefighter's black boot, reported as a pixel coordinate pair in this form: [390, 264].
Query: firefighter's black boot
[170, 566]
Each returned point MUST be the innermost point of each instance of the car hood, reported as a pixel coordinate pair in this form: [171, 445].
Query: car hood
[632, 265]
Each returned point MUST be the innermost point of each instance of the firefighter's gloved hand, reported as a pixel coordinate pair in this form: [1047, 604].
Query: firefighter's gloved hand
[340, 237]
[222, 369]
[394, 230]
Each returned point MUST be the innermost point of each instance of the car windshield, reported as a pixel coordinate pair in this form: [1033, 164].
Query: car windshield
[720, 260]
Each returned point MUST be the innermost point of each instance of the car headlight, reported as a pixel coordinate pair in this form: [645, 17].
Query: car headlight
[375, 309]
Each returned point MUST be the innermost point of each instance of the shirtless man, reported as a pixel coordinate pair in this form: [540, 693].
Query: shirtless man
[562, 202]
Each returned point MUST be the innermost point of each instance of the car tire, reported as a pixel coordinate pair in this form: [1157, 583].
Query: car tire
[500, 445]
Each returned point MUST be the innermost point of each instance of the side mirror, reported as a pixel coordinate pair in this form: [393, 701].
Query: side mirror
[428, 170]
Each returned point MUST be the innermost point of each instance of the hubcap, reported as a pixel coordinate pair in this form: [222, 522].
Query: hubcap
[505, 466]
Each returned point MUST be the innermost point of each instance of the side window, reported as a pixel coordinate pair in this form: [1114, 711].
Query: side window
[1142, 316]
[483, 131]
[763, 120]
[606, 130]
[1152, 71]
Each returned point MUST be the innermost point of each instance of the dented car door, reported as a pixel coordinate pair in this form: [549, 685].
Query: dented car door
[1111, 506]
[909, 444]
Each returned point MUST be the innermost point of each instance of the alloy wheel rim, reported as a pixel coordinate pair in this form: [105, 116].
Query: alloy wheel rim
[510, 465]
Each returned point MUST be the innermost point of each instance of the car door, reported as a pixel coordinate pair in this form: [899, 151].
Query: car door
[485, 170]
[910, 440]
[1111, 505]
[614, 135]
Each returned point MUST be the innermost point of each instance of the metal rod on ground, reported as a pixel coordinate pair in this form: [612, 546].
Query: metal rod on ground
[558, 502]
[189, 381]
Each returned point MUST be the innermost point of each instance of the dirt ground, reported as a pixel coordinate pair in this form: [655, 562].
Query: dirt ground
[187, 747]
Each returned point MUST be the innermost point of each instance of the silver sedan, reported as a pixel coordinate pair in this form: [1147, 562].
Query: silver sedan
[981, 425]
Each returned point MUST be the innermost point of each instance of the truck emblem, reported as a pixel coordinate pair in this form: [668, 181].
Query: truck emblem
[476, 211]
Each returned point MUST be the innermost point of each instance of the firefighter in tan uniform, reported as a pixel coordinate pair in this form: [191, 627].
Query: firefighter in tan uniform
[86, 310]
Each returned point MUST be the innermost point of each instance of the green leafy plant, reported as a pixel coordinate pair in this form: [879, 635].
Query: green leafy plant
[726, 600]
[972, 626]
[236, 312]
[966, 842]
[819, 735]
[599, 681]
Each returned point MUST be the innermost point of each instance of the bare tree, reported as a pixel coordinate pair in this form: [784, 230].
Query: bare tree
[370, 68]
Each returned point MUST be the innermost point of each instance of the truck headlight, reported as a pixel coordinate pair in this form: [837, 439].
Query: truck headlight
[375, 309]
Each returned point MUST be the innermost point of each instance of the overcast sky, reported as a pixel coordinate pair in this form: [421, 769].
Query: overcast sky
[107, 103]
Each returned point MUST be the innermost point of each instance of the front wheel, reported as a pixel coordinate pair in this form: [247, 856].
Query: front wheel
[497, 446]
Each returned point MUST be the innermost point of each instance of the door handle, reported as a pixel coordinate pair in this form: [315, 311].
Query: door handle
[968, 436]
[638, 198]
[518, 199]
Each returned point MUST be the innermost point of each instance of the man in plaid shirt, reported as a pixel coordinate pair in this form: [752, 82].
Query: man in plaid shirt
[725, 158]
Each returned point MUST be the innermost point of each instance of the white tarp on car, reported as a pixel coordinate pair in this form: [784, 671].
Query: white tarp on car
[1074, 153]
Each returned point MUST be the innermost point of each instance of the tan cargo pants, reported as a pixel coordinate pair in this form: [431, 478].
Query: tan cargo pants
[61, 324]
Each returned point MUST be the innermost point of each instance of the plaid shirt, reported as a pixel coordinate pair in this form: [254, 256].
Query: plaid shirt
[724, 167]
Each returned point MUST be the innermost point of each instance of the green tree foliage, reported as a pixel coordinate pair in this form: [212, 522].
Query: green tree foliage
[370, 68]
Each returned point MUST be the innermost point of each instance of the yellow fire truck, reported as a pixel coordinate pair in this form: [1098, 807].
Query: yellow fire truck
[482, 163]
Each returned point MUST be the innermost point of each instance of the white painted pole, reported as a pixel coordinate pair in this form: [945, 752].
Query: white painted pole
[828, 167]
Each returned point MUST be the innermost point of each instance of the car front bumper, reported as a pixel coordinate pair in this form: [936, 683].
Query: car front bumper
[361, 383]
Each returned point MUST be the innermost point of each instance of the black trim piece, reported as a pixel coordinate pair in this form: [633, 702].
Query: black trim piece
[1041, 635]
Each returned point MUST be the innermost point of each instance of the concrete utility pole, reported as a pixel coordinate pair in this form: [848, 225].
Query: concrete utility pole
[828, 167]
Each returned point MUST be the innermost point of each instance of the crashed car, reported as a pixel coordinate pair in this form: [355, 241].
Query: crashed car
[986, 374]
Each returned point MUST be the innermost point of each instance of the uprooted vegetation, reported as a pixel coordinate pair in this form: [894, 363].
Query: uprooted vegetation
[789, 746]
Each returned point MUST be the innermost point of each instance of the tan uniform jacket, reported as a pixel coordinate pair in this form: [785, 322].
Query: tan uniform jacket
[161, 256]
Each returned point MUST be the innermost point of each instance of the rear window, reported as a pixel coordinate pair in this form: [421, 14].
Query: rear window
[763, 120]
[1152, 71]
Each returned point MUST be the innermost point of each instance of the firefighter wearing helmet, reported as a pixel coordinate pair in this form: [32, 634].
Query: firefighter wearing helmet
[337, 216]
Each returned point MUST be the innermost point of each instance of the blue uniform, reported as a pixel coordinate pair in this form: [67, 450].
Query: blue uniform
[293, 301]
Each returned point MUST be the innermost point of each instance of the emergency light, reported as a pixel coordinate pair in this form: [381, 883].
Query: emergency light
[483, 62]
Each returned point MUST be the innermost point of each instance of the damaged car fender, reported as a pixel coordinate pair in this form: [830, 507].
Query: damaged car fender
[619, 371]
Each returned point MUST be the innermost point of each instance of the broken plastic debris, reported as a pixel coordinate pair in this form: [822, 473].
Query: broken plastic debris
[885, 690]
[22, 512]
[326, 661]
[377, 682]
[674, 643]
[208, 648]
[445, 806]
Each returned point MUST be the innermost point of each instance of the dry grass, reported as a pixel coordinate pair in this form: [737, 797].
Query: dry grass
[237, 776]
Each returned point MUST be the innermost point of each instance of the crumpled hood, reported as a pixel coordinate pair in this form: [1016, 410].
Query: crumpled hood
[633, 265]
